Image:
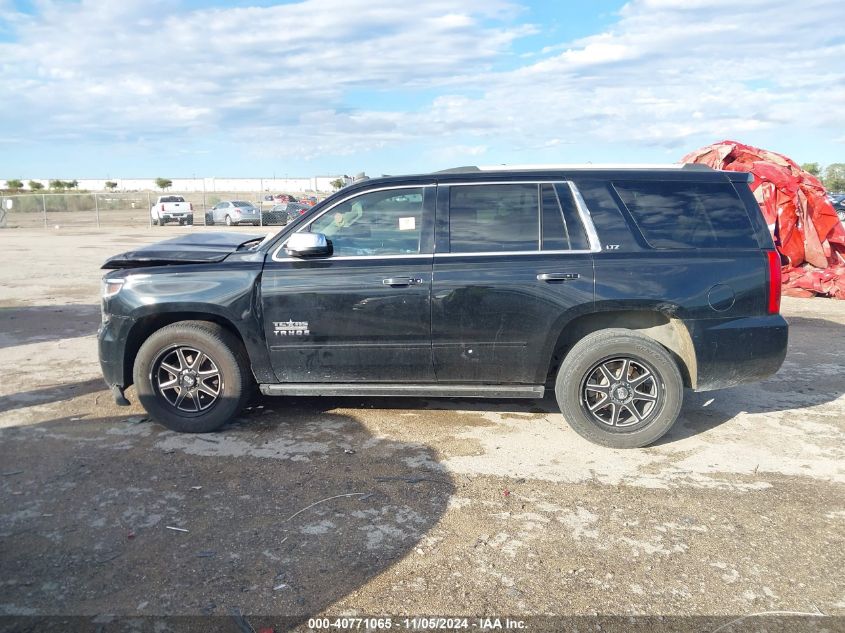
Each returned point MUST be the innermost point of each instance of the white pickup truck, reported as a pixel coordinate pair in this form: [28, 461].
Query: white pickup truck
[172, 209]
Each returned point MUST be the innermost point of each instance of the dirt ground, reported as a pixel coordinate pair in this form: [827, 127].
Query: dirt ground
[405, 507]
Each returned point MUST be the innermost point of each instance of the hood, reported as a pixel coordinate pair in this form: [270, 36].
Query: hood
[194, 248]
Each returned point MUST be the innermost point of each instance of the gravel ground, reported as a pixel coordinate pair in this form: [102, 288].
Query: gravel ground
[401, 506]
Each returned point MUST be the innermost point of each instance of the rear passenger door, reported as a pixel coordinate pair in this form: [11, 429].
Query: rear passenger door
[513, 263]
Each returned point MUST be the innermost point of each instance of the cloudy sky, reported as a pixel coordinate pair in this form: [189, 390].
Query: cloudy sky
[123, 88]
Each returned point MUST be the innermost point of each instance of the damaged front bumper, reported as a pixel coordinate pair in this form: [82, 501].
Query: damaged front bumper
[111, 343]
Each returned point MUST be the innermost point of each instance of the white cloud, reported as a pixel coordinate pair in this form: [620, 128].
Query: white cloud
[668, 73]
[99, 66]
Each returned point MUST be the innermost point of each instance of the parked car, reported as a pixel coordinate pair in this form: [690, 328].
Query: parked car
[171, 209]
[232, 212]
[838, 202]
[278, 214]
[612, 288]
[296, 209]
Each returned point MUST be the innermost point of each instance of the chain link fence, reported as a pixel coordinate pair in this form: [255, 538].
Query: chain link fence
[123, 209]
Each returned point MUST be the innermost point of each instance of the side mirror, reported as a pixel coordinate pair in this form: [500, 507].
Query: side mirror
[308, 245]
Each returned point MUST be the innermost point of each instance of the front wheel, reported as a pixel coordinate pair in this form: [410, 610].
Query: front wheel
[192, 376]
[619, 389]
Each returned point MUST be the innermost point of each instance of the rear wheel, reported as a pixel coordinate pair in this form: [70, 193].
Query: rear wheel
[619, 389]
[228, 220]
[192, 376]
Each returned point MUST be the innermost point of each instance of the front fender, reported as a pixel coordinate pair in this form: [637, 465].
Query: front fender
[230, 296]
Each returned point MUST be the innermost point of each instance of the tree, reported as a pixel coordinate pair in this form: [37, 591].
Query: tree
[163, 183]
[34, 185]
[111, 185]
[812, 168]
[71, 184]
[834, 177]
[14, 184]
[337, 183]
[57, 184]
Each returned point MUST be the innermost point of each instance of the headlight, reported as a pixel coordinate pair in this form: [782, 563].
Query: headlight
[111, 287]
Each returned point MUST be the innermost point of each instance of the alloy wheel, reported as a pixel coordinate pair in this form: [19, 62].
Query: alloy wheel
[187, 379]
[621, 392]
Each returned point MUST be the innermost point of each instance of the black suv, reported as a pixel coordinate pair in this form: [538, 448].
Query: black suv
[617, 288]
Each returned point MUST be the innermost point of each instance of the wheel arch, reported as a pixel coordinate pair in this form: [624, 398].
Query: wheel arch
[145, 326]
[664, 328]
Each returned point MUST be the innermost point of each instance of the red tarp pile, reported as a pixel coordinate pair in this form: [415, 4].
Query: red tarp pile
[804, 225]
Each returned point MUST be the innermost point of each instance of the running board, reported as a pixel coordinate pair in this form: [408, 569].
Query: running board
[388, 389]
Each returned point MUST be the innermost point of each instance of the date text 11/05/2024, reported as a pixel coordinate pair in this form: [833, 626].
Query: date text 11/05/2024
[416, 624]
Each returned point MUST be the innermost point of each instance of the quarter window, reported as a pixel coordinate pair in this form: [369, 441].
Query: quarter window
[688, 214]
[376, 223]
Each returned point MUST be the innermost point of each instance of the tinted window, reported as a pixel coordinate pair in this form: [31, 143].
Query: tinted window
[241, 203]
[688, 214]
[377, 223]
[173, 199]
[611, 226]
[562, 228]
[493, 218]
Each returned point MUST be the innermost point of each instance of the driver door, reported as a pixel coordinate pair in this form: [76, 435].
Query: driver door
[362, 314]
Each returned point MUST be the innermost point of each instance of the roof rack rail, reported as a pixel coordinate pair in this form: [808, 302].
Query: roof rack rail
[555, 166]
[458, 170]
[561, 166]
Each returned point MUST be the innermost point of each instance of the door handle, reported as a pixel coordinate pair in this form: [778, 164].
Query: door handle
[401, 281]
[558, 276]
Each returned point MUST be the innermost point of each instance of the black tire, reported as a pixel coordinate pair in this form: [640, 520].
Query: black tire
[225, 354]
[155, 222]
[229, 220]
[189, 221]
[634, 420]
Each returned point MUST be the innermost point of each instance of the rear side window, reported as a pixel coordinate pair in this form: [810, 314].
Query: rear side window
[493, 218]
[561, 229]
[687, 214]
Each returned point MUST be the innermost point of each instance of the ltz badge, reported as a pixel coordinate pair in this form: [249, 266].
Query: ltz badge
[291, 328]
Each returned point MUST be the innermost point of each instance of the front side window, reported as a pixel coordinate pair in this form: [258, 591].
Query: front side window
[493, 218]
[377, 223]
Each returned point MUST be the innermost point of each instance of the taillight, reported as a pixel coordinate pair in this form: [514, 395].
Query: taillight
[191, 206]
[773, 258]
[162, 207]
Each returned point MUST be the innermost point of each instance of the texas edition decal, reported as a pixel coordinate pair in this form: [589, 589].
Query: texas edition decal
[291, 328]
